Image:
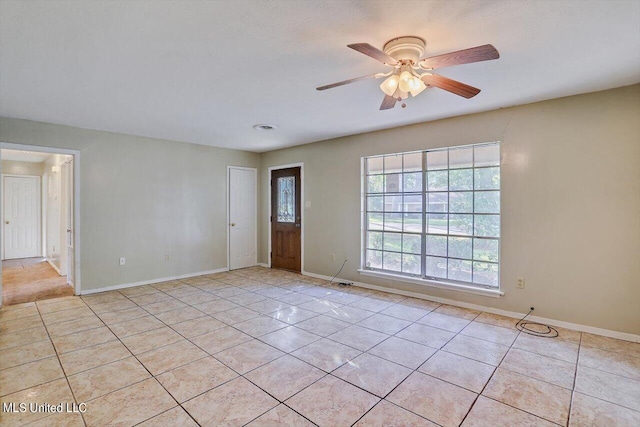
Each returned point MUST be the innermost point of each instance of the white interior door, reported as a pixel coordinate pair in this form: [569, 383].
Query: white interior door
[21, 217]
[242, 218]
[68, 220]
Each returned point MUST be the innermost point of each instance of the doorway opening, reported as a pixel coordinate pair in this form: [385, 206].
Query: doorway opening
[286, 231]
[39, 210]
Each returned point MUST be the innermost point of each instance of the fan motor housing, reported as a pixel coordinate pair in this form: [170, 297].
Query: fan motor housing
[405, 48]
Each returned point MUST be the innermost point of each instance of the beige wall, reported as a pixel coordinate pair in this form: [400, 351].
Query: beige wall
[13, 167]
[142, 198]
[570, 203]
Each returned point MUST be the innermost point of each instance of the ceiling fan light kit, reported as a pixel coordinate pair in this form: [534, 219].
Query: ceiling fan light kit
[403, 55]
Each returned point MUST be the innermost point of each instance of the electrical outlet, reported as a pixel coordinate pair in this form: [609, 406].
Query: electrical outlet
[167, 257]
[520, 283]
[123, 260]
[333, 257]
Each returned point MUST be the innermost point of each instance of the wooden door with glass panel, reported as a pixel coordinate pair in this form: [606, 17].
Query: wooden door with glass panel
[286, 225]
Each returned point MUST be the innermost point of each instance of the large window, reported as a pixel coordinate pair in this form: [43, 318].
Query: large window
[435, 214]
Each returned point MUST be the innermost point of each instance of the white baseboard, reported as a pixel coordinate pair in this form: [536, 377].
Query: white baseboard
[575, 326]
[55, 267]
[151, 282]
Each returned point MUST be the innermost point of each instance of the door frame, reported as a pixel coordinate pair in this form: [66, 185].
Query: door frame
[76, 202]
[228, 202]
[40, 216]
[302, 208]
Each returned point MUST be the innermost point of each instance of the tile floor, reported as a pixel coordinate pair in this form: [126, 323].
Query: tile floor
[262, 347]
[31, 279]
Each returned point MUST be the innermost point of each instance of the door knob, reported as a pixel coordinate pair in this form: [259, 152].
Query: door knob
[233, 224]
[298, 225]
[6, 222]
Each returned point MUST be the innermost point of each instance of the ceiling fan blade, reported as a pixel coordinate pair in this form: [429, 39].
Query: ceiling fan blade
[466, 56]
[388, 102]
[346, 82]
[373, 52]
[450, 85]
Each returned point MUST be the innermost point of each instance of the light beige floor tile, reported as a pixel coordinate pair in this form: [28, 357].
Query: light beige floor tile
[386, 414]
[27, 353]
[177, 417]
[198, 297]
[558, 349]
[332, 402]
[29, 375]
[138, 290]
[589, 411]
[182, 291]
[91, 357]
[452, 310]
[150, 340]
[443, 321]
[537, 397]
[403, 352]
[372, 304]
[170, 356]
[280, 416]
[611, 344]
[326, 354]
[284, 377]
[15, 339]
[228, 291]
[248, 356]
[405, 312]
[150, 298]
[359, 337]
[385, 324]
[610, 387]
[487, 412]
[113, 306]
[473, 348]
[7, 314]
[179, 315]
[16, 325]
[162, 306]
[220, 339]
[614, 363]
[349, 314]
[293, 315]
[199, 326]
[544, 368]
[130, 405]
[73, 326]
[373, 374]
[136, 326]
[195, 378]
[496, 334]
[567, 335]
[323, 325]
[320, 306]
[122, 316]
[497, 320]
[246, 298]
[436, 400]
[289, 339]
[84, 339]
[232, 404]
[236, 315]
[294, 298]
[426, 335]
[104, 379]
[268, 306]
[53, 393]
[103, 297]
[63, 419]
[66, 315]
[260, 325]
[59, 304]
[213, 307]
[458, 370]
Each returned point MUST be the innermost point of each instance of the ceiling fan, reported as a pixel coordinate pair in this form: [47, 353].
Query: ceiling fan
[403, 54]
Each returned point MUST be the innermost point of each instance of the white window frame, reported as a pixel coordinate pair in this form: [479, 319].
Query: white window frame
[421, 279]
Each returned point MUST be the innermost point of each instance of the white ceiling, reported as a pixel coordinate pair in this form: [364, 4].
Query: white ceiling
[23, 156]
[205, 72]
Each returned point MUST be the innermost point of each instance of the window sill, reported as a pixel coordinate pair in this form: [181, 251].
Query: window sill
[494, 293]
